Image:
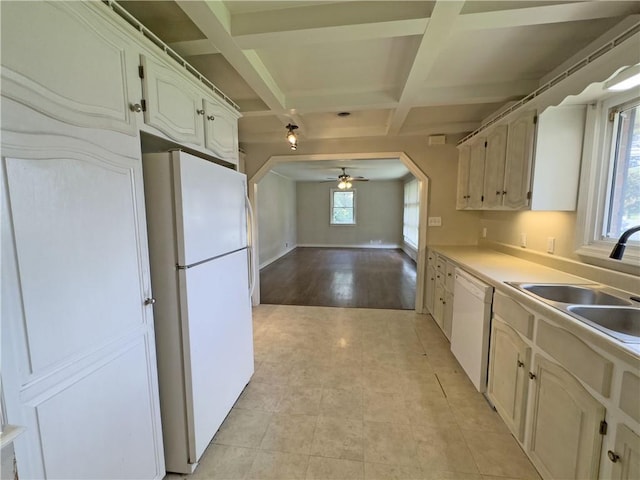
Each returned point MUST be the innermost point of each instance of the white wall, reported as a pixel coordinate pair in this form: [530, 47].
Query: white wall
[379, 206]
[506, 227]
[276, 217]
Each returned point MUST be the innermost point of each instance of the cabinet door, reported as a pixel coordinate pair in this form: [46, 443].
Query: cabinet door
[78, 349]
[221, 132]
[494, 167]
[565, 441]
[509, 360]
[174, 106]
[626, 455]
[517, 172]
[447, 314]
[462, 196]
[61, 59]
[438, 307]
[476, 174]
[431, 286]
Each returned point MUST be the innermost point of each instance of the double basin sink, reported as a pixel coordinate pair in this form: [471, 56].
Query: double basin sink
[615, 313]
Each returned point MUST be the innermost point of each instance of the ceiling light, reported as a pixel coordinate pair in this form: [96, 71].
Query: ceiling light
[291, 136]
[625, 80]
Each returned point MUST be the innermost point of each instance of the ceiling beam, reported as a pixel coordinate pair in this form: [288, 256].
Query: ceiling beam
[214, 20]
[566, 12]
[333, 34]
[473, 94]
[438, 30]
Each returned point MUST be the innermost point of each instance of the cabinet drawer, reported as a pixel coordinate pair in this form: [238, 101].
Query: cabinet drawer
[513, 314]
[629, 395]
[576, 356]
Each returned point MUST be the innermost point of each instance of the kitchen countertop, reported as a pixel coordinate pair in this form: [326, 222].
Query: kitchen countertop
[496, 268]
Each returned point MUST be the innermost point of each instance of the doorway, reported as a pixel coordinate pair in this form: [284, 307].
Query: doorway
[352, 158]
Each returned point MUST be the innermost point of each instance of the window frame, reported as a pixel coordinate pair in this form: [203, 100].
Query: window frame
[593, 202]
[416, 203]
[331, 223]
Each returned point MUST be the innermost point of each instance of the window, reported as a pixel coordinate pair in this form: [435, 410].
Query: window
[622, 209]
[610, 184]
[343, 207]
[411, 213]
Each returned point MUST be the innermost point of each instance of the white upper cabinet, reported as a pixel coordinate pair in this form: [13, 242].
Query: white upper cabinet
[534, 162]
[462, 197]
[58, 63]
[173, 105]
[494, 167]
[185, 113]
[518, 167]
[221, 131]
[476, 174]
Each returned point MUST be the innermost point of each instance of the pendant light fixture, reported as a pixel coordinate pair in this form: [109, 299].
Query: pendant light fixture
[291, 136]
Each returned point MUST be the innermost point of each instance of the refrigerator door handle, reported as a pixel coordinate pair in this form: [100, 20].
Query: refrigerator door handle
[252, 272]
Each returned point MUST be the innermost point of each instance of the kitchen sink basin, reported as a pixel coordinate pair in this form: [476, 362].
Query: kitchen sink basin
[622, 323]
[573, 294]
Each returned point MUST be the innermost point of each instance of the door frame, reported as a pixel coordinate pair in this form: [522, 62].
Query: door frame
[423, 183]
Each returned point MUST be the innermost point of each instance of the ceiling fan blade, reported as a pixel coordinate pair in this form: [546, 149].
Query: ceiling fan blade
[361, 179]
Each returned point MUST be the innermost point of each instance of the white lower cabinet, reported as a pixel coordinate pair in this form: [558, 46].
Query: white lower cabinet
[442, 288]
[626, 454]
[509, 361]
[565, 439]
[571, 403]
[431, 286]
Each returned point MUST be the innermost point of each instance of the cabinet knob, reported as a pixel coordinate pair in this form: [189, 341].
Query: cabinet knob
[211, 118]
[135, 107]
[520, 364]
[532, 375]
[200, 112]
[149, 301]
[504, 192]
[448, 274]
[613, 456]
[498, 192]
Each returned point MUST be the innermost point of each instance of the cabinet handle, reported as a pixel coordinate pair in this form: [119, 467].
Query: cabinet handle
[135, 107]
[149, 301]
[200, 112]
[532, 375]
[504, 192]
[448, 274]
[520, 364]
[498, 192]
[613, 456]
[211, 117]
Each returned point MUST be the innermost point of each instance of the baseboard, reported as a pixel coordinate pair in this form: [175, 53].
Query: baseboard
[410, 251]
[277, 257]
[364, 245]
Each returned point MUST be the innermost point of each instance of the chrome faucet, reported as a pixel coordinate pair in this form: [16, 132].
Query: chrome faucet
[618, 250]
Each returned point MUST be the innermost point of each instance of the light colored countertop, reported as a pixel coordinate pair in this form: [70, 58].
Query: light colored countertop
[496, 268]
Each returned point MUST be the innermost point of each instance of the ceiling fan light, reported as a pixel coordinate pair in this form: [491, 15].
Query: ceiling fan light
[342, 185]
[348, 185]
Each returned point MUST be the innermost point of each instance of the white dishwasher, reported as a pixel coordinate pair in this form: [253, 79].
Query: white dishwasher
[471, 326]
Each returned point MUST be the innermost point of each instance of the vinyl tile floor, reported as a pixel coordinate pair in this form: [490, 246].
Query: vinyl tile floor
[355, 394]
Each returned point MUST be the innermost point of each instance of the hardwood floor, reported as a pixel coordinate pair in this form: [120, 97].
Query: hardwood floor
[341, 277]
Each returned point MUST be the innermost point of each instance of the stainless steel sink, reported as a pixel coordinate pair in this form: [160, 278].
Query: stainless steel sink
[622, 323]
[574, 294]
[606, 309]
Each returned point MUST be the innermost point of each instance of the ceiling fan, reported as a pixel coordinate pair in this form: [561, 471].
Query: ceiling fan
[344, 179]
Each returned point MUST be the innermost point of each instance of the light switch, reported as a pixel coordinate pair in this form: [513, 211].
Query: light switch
[523, 240]
[551, 244]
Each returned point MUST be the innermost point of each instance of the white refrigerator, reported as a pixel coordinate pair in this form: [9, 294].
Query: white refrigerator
[197, 217]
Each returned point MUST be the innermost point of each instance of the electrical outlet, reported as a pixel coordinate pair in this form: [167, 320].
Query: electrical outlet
[551, 244]
[523, 240]
[435, 221]
[484, 232]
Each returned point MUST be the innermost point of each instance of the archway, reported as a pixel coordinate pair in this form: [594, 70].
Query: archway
[423, 180]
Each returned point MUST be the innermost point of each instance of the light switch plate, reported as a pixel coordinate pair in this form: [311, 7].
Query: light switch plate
[551, 244]
[435, 221]
[523, 240]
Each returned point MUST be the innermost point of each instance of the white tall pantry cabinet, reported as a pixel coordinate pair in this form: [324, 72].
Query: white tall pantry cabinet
[78, 349]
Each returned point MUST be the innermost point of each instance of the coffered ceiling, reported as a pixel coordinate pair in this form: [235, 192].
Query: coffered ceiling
[399, 67]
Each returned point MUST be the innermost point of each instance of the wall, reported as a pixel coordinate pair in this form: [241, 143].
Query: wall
[439, 163]
[506, 227]
[276, 217]
[379, 206]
